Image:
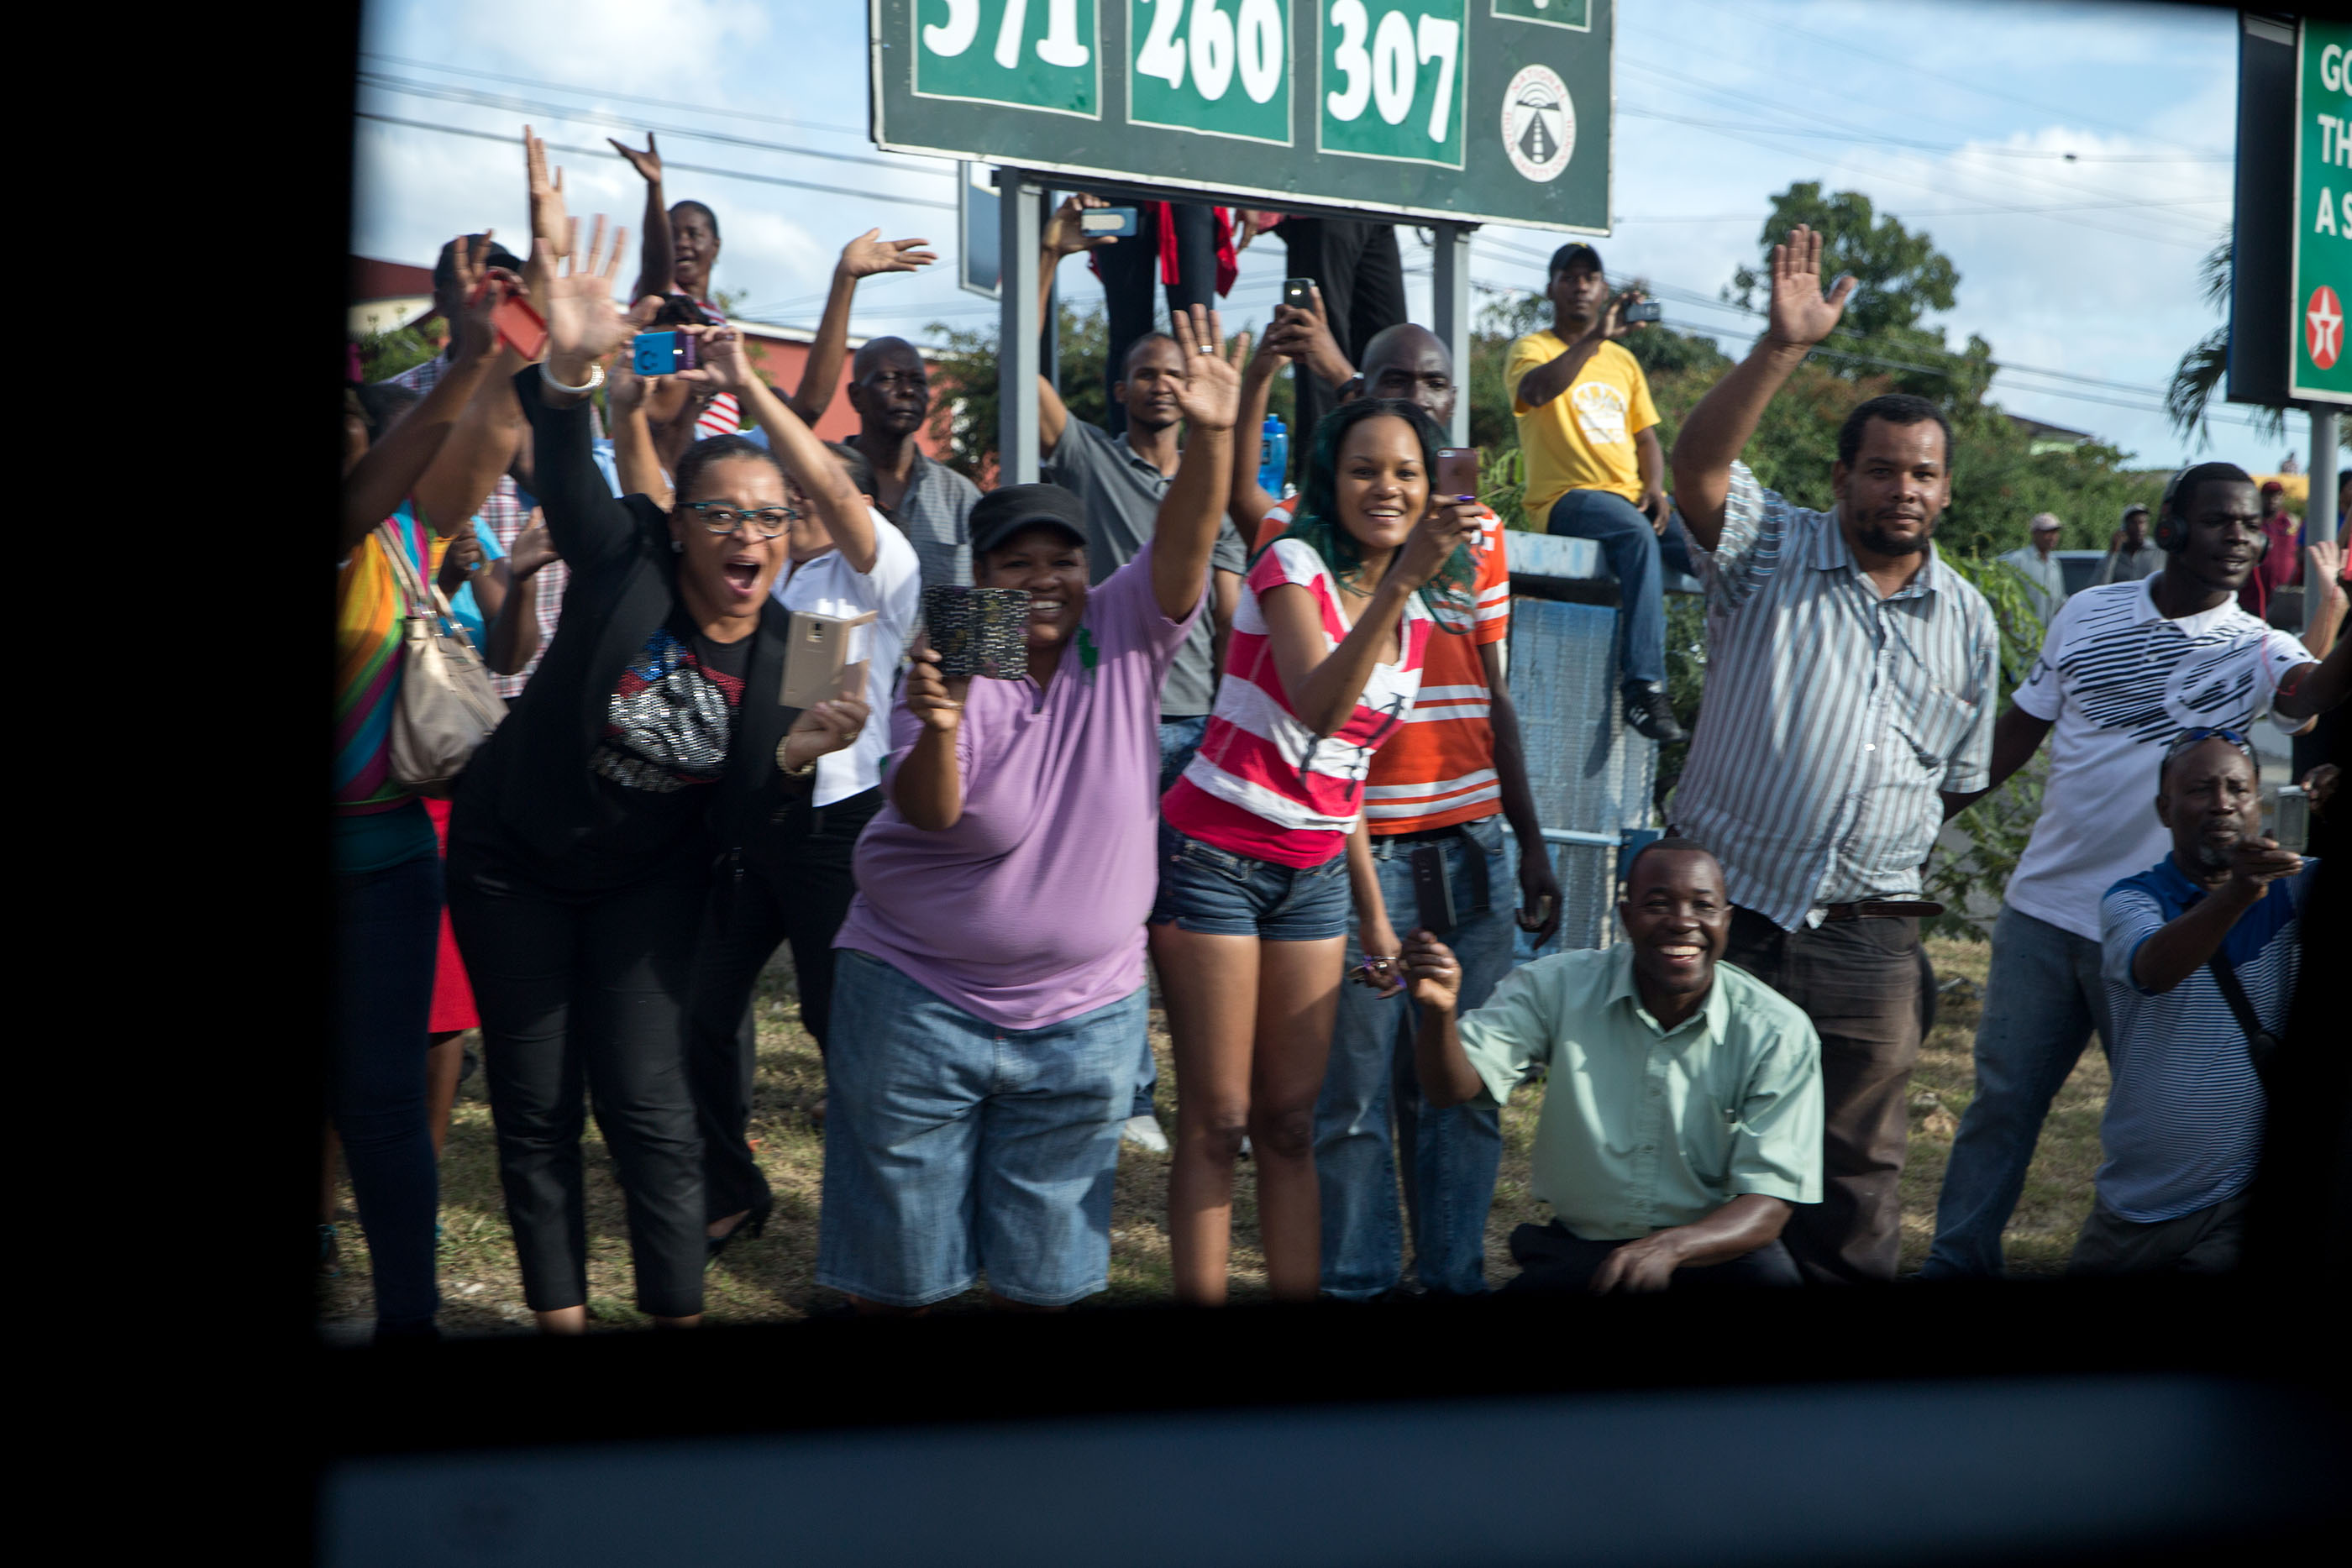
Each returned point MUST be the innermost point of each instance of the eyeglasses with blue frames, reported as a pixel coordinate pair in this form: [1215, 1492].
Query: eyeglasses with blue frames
[767, 523]
[2189, 738]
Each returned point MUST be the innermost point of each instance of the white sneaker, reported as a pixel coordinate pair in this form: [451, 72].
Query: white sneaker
[1144, 1132]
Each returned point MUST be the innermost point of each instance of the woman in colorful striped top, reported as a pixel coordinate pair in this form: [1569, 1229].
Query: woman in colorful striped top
[385, 858]
[1262, 841]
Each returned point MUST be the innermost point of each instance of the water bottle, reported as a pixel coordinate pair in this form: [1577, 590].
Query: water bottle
[1275, 447]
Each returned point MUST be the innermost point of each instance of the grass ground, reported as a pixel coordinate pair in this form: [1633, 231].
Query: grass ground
[772, 1279]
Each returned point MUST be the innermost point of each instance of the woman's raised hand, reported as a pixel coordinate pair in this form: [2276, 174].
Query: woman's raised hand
[647, 164]
[823, 728]
[583, 323]
[1210, 395]
[869, 254]
[930, 696]
[482, 288]
[725, 367]
[1453, 521]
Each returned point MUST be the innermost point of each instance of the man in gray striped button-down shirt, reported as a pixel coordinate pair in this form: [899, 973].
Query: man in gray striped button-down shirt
[1851, 682]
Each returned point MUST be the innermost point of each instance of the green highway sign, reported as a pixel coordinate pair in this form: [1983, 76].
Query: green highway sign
[1446, 110]
[2320, 268]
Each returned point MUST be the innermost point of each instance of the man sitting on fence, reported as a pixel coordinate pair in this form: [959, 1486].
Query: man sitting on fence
[1682, 1119]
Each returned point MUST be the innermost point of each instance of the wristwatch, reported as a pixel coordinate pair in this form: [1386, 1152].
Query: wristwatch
[784, 760]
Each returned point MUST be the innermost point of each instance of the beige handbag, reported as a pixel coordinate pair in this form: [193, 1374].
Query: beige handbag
[446, 706]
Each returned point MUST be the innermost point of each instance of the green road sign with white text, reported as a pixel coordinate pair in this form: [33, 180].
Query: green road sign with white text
[1480, 111]
[2322, 251]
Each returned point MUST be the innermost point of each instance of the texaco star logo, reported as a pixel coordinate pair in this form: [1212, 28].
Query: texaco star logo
[2323, 326]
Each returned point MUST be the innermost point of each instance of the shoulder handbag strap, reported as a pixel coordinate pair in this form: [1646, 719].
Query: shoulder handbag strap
[418, 596]
[2261, 1045]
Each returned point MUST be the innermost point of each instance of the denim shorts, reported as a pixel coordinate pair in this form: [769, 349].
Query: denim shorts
[954, 1148]
[1220, 894]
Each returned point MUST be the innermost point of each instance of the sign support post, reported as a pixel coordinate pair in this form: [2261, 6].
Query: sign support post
[2319, 519]
[1450, 305]
[1016, 364]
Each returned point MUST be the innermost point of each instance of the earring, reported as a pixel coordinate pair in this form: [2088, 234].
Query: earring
[677, 547]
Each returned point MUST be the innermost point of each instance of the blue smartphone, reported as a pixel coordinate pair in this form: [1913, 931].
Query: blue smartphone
[660, 353]
[1099, 223]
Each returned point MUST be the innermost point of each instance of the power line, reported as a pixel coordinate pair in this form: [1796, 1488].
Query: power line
[512, 141]
[1880, 137]
[1684, 81]
[620, 97]
[595, 117]
[1692, 296]
[1911, 213]
[1913, 67]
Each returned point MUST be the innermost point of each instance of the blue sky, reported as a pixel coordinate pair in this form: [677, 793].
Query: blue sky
[1998, 92]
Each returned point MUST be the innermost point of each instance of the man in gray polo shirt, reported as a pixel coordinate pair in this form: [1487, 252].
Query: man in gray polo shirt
[890, 388]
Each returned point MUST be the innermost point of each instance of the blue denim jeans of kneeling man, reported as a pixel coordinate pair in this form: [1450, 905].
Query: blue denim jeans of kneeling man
[954, 1148]
[1449, 1156]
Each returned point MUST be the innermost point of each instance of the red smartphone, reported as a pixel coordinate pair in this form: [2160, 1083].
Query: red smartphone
[520, 325]
[1457, 472]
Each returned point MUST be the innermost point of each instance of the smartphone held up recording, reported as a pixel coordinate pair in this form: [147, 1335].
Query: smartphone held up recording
[1644, 310]
[825, 657]
[1107, 223]
[1457, 472]
[664, 353]
[2291, 818]
[1298, 293]
[979, 630]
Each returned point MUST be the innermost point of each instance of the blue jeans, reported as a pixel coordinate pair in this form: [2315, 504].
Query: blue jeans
[1223, 893]
[954, 1148]
[1450, 1178]
[387, 929]
[1179, 739]
[2044, 996]
[1636, 553]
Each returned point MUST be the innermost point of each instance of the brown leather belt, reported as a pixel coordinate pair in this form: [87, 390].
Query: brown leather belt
[1883, 909]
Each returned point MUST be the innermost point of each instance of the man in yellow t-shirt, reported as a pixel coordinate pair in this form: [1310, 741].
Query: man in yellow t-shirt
[1594, 468]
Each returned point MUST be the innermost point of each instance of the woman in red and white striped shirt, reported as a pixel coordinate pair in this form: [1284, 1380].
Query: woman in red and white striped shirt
[1261, 839]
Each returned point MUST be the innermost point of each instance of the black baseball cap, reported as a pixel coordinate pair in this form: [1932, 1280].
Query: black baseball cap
[444, 269]
[1575, 253]
[1009, 508]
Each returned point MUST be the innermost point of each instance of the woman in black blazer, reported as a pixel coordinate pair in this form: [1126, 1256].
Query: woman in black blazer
[585, 831]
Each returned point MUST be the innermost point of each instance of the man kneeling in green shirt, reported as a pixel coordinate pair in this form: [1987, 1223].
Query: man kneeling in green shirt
[1683, 1114]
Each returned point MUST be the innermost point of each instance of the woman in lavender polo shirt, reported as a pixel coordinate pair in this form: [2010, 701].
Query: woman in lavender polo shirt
[990, 990]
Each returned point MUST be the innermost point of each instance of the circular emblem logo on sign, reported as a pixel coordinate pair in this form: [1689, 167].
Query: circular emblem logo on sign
[1538, 123]
[2323, 326]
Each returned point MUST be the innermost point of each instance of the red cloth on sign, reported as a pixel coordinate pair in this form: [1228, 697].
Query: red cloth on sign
[1229, 265]
[453, 994]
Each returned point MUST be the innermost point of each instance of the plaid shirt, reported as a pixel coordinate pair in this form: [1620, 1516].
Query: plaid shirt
[504, 518]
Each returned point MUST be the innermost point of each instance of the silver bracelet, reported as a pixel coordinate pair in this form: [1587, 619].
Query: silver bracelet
[595, 379]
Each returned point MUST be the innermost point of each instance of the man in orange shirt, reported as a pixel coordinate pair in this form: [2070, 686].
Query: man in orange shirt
[1441, 790]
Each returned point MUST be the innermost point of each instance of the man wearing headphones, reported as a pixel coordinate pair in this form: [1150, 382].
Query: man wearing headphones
[2125, 667]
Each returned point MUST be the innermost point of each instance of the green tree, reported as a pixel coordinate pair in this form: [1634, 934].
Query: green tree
[384, 355]
[2199, 376]
[1899, 277]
